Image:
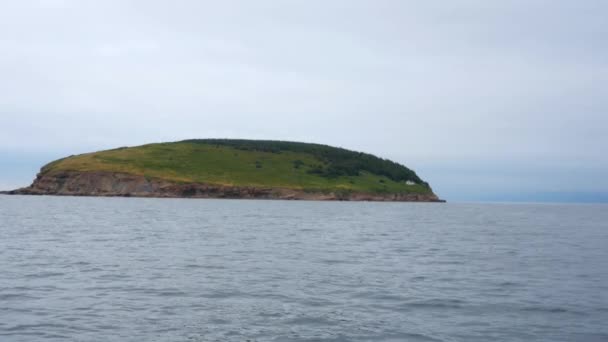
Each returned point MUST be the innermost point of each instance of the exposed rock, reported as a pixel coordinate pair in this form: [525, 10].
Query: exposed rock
[99, 183]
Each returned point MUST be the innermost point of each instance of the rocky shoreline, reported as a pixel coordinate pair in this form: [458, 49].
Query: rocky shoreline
[112, 184]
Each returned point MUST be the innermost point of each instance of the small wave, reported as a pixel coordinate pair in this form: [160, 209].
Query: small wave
[112, 276]
[413, 337]
[81, 263]
[305, 230]
[335, 261]
[222, 295]
[316, 302]
[447, 262]
[206, 267]
[29, 327]
[474, 324]
[16, 296]
[315, 321]
[44, 275]
[219, 321]
[508, 284]
[545, 309]
[435, 304]
[270, 314]
[172, 294]
[387, 297]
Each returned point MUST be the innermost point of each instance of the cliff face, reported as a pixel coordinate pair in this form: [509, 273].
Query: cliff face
[101, 183]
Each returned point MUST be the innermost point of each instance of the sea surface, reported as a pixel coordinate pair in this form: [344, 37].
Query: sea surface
[127, 269]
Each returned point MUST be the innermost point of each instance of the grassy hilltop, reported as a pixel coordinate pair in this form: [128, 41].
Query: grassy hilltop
[292, 165]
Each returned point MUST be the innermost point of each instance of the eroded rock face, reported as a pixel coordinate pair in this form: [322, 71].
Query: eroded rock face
[122, 184]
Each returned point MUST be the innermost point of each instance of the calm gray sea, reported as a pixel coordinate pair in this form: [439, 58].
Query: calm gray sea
[126, 269]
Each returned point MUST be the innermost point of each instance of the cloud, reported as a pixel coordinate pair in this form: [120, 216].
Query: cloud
[471, 81]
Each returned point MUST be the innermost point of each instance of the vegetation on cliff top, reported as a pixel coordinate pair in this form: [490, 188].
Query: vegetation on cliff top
[309, 167]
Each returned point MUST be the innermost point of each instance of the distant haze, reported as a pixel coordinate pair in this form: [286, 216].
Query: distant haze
[486, 100]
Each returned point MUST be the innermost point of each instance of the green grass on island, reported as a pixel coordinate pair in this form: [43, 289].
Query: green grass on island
[256, 163]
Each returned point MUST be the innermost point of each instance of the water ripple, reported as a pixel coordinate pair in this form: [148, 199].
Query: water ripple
[99, 269]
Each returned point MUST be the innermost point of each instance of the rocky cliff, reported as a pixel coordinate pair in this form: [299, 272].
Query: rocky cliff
[100, 183]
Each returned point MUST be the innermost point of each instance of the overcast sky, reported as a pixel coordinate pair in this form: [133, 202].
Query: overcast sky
[484, 99]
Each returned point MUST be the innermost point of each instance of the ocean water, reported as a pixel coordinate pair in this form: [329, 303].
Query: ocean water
[127, 269]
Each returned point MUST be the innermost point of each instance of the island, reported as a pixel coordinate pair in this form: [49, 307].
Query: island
[232, 168]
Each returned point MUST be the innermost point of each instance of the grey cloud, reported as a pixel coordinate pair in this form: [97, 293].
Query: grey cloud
[422, 82]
